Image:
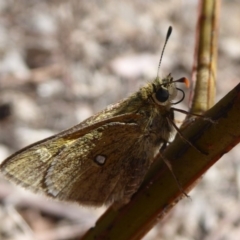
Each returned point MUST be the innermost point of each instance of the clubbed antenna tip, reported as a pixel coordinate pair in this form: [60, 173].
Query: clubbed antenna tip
[168, 33]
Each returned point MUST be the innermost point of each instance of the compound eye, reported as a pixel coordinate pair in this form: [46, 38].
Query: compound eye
[162, 95]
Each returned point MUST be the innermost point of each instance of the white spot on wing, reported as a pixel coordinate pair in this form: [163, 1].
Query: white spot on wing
[100, 159]
[43, 154]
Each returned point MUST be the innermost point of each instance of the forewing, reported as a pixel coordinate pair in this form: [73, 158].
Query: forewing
[88, 165]
[93, 169]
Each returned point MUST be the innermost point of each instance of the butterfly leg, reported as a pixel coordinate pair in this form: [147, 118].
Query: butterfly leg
[169, 166]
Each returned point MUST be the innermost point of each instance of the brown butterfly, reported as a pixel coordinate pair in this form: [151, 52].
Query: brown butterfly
[104, 159]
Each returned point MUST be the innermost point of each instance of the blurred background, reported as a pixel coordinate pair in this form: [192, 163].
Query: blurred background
[62, 61]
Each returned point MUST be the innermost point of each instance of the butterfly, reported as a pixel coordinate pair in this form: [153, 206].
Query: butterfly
[104, 159]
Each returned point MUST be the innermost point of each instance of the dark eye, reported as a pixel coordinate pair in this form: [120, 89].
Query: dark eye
[162, 95]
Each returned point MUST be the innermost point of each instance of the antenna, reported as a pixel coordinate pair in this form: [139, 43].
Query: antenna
[166, 40]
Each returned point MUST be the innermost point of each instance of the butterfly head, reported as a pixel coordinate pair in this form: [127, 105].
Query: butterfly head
[165, 90]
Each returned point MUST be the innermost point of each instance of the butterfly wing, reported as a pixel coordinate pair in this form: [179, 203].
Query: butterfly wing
[98, 164]
[107, 172]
